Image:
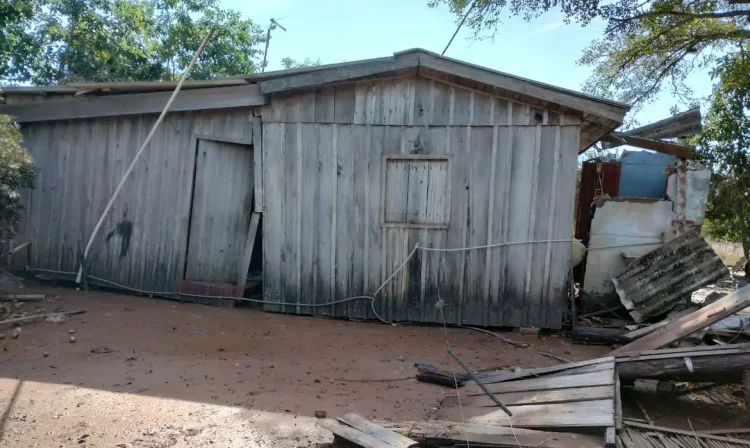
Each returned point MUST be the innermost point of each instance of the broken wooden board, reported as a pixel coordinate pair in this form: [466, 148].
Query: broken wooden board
[636, 435]
[716, 364]
[590, 365]
[441, 433]
[553, 398]
[678, 329]
[603, 378]
[584, 414]
[538, 397]
[365, 433]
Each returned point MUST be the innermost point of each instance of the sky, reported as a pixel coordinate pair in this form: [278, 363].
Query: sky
[334, 31]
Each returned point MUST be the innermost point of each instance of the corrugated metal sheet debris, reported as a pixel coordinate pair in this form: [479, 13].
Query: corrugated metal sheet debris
[655, 282]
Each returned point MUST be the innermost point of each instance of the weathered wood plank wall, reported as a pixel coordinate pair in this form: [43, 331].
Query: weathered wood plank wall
[511, 177]
[143, 241]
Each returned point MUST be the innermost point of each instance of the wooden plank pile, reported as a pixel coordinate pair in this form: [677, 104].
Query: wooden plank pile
[571, 397]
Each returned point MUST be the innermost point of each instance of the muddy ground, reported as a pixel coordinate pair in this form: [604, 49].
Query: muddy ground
[157, 373]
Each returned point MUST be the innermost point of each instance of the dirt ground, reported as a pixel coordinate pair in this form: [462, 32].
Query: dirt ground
[158, 373]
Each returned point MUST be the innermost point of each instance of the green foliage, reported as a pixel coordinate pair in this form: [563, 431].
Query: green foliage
[646, 47]
[16, 173]
[724, 145]
[61, 41]
[288, 63]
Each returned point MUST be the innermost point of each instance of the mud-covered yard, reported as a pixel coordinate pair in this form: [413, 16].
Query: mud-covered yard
[156, 373]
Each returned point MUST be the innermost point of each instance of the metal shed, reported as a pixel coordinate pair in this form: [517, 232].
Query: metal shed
[349, 166]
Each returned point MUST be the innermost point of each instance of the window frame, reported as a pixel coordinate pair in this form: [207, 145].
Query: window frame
[447, 158]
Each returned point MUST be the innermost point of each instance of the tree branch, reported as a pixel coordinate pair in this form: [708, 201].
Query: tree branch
[691, 15]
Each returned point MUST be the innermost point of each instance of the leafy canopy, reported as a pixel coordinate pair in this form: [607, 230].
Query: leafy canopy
[16, 173]
[646, 46]
[59, 41]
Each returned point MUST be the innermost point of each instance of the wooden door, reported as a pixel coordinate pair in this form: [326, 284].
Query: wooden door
[221, 210]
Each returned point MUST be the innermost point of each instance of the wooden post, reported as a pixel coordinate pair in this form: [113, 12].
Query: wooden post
[84, 271]
[248, 254]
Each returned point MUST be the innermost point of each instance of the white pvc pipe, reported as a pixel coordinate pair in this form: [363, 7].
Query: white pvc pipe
[140, 151]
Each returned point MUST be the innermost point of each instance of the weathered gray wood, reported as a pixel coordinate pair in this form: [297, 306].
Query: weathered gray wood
[673, 149]
[290, 266]
[327, 176]
[533, 89]
[560, 254]
[144, 238]
[258, 162]
[618, 402]
[588, 414]
[683, 326]
[719, 368]
[691, 434]
[252, 231]
[512, 399]
[523, 176]
[353, 435]
[602, 378]
[391, 438]
[222, 205]
[610, 435]
[339, 74]
[135, 103]
[439, 432]
[475, 305]
[635, 334]
[273, 215]
[563, 369]
[684, 124]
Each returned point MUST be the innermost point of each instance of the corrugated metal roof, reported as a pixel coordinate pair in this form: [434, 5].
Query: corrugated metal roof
[655, 282]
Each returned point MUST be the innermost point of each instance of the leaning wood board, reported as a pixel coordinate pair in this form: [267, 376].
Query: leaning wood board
[603, 378]
[683, 326]
[586, 414]
[364, 433]
[539, 397]
[504, 375]
[377, 431]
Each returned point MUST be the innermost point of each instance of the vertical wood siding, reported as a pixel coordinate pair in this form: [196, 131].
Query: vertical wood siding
[511, 178]
[143, 241]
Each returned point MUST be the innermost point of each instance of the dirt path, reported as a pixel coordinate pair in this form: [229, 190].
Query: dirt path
[157, 373]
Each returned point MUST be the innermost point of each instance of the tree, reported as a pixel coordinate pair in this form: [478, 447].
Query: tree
[724, 145]
[16, 173]
[646, 47]
[56, 41]
[288, 63]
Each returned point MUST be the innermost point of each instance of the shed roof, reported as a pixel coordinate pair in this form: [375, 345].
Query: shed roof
[599, 116]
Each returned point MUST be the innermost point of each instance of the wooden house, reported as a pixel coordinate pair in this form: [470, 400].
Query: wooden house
[346, 166]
